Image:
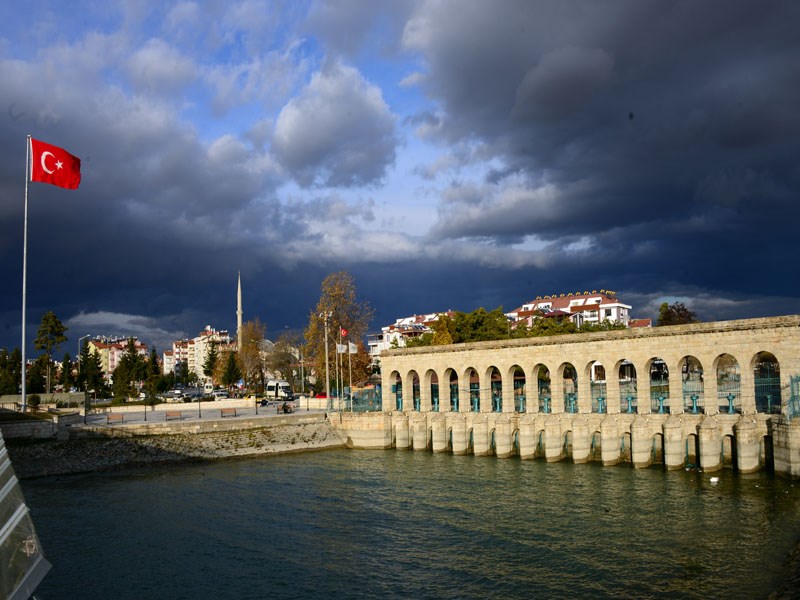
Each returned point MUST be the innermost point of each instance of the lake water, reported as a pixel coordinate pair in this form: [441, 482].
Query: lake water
[401, 524]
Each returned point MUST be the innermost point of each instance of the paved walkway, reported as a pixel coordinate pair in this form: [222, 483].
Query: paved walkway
[191, 411]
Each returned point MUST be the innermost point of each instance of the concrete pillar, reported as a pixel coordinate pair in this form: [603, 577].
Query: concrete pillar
[675, 400]
[581, 441]
[747, 389]
[613, 402]
[641, 442]
[438, 425]
[557, 393]
[418, 425]
[401, 441]
[584, 390]
[553, 441]
[480, 437]
[786, 446]
[527, 439]
[425, 403]
[674, 443]
[503, 438]
[643, 391]
[610, 432]
[710, 401]
[710, 445]
[748, 445]
[460, 437]
[509, 405]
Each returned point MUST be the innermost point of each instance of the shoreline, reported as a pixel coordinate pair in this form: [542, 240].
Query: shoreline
[102, 453]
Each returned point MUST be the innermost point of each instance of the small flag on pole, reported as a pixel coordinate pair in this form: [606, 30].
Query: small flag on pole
[54, 165]
[344, 332]
[353, 348]
[341, 348]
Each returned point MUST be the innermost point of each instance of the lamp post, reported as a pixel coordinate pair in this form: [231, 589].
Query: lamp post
[325, 316]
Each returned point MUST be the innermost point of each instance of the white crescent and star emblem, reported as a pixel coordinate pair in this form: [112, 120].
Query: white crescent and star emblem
[59, 164]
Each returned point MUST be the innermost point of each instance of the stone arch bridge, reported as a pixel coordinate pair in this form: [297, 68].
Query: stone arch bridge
[704, 395]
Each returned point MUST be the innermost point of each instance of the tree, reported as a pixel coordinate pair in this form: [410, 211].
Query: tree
[250, 344]
[339, 305]
[10, 371]
[66, 380]
[131, 370]
[211, 361]
[90, 373]
[675, 314]
[49, 337]
[231, 373]
[283, 360]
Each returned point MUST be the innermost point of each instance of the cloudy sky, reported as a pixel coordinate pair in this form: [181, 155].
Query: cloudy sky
[448, 153]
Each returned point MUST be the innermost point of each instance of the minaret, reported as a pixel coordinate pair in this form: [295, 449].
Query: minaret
[239, 314]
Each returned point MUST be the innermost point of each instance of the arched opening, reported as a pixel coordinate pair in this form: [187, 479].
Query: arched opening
[767, 377]
[766, 454]
[567, 448]
[415, 396]
[453, 383]
[659, 386]
[597, 383]
[434, 379]
[397, 390]
[430, 439]
[515, 441]
[692, 385]
[474, 391]
[570, 380]
[539, 452]
[657, 449]
[627, 387]
[625, 447]
[729, 396]
[518, 375]
[692, 451]
[596, 449]
[543, 389]
[496, 388]
[729, 458]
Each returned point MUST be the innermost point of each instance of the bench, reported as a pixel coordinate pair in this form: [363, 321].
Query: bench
[173, 414]
[114, 418]
[227, 412]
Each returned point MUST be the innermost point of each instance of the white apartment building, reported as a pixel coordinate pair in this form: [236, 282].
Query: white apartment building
[396, 334]
[587, 307]
[191, 354]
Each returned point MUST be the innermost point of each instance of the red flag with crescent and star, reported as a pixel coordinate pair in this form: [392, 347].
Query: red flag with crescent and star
[54, 165]
[344, 332]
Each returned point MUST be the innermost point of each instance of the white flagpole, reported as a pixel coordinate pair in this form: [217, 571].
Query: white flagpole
[25, 268]
[350, 370]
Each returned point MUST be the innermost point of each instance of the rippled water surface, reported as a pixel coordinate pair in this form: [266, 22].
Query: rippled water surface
[358, 524]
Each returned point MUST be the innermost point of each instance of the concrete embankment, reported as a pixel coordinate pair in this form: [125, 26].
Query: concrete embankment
[101, 448]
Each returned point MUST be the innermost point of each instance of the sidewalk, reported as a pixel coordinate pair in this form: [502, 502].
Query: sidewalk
[187, 412]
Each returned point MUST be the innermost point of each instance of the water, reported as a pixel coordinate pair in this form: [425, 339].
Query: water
[389, 524]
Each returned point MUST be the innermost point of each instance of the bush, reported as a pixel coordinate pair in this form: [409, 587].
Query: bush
[34, 401]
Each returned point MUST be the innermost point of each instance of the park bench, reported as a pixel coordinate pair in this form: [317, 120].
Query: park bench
[173, 414]
[227, 412]
[114, 418]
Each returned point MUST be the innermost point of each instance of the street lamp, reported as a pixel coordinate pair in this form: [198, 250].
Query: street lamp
[327, 315]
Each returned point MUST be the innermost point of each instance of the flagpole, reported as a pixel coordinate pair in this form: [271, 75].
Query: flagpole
[350, 370]
[25, 269]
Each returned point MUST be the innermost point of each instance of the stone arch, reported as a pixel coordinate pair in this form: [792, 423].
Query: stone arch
[449, 440]
[515, 442]
[595, 373]
[495, 380]
[692, 451]
[568, 376]
[692, 385]
[470, 441]
[729, 454]
[432, 383]
[492, 442]
[473, 381]
[416, 399]
[516, 375]
[766, 454]
[628, 385]
[566, 449]
[767, 383]
[397, 389]
[540, 449]
[541, 375]
[451, 377]
[596, 447]
[625, 448]
[659, 385]
[657, 449]
[729, 392]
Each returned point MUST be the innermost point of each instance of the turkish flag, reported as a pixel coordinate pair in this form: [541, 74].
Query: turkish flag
[54, 165]
[344, 332]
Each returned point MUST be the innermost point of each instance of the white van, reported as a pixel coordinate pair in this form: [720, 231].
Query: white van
[278, 389]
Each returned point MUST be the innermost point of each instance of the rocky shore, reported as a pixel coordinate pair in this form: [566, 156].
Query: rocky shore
[84, 455]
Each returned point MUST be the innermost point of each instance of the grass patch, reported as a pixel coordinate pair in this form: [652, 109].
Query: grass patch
[12, 416]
